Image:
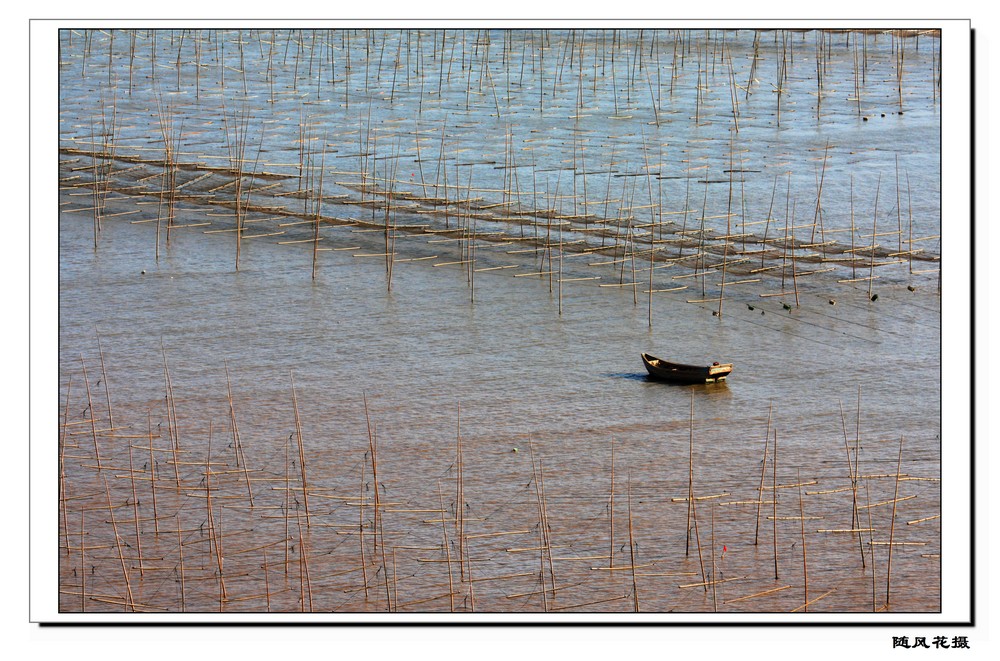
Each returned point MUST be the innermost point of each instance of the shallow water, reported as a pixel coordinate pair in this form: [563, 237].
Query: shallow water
[505, 394]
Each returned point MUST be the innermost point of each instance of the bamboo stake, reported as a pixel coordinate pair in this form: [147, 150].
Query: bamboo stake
[213, 536]
[802, 525]
[909, 210]
[697, 538]
[763, 469]
[93, 416]
[715, 575]
[302, 452]
[379, 531]
[237, 445]
[547, 528]
[83, 562]
[319, 209]
[361, 530]
[795, 285]
[267, 582]
[854, 274]
[135, 511]
[152, 470]
[729, 231]
[899, 212]
[171, 419]
[180, 552]
[871, 548]
[129, 602]
[784, 240]
[855, 518]
[892, 525]
[767, 221]
[818, 215]
[447, 550]
[611, 509]
[395, 588]
[459, 494]
[374, 460]
[631, 546]
[62, 467]
[304, 578]
[871, 270]
[690, 498]
[286, 505]
[104, 377]
[472, 590]
[542, 538]
[774, 501]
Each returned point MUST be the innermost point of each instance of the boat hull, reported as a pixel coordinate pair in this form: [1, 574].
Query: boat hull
[663, 370]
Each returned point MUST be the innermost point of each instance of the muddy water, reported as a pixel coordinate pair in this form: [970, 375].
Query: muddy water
[524, 461]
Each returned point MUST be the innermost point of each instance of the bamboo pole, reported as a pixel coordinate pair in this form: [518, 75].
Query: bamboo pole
[83, 561]
[93, 414]
[697, 538]
[892, 525]
[729, 231]
[542, 537]
[631, 547]
[547, 528]
[305, 582]
[447, 550]
[690, 499]
[62, 467]
[715, 574]
[802, 532]
[767, 221]
[152, 470]
[871, 547]
[361, 529]
[180, 554]
[319, 210]
[286, 503]
[237, 445]
[472, 589]
[267, 582]
[213, 535]
[899, 211]
[374, 462]
[378, 530]
[909, 211]
[763, 471]
[818, 215]
[459, 494]
[171, 417]
[855, 518]
[774, 503]
[135, 511]
[871, 269]
[104, 377]
[611, 509]
[129, 602]
[302, 452]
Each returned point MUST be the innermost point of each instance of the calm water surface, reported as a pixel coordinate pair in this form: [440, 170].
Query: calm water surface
[524, 460]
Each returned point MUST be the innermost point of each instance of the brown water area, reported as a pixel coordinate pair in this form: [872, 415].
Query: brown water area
[350, 321]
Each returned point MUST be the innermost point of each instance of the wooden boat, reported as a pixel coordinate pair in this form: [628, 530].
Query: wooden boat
[663, 370]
